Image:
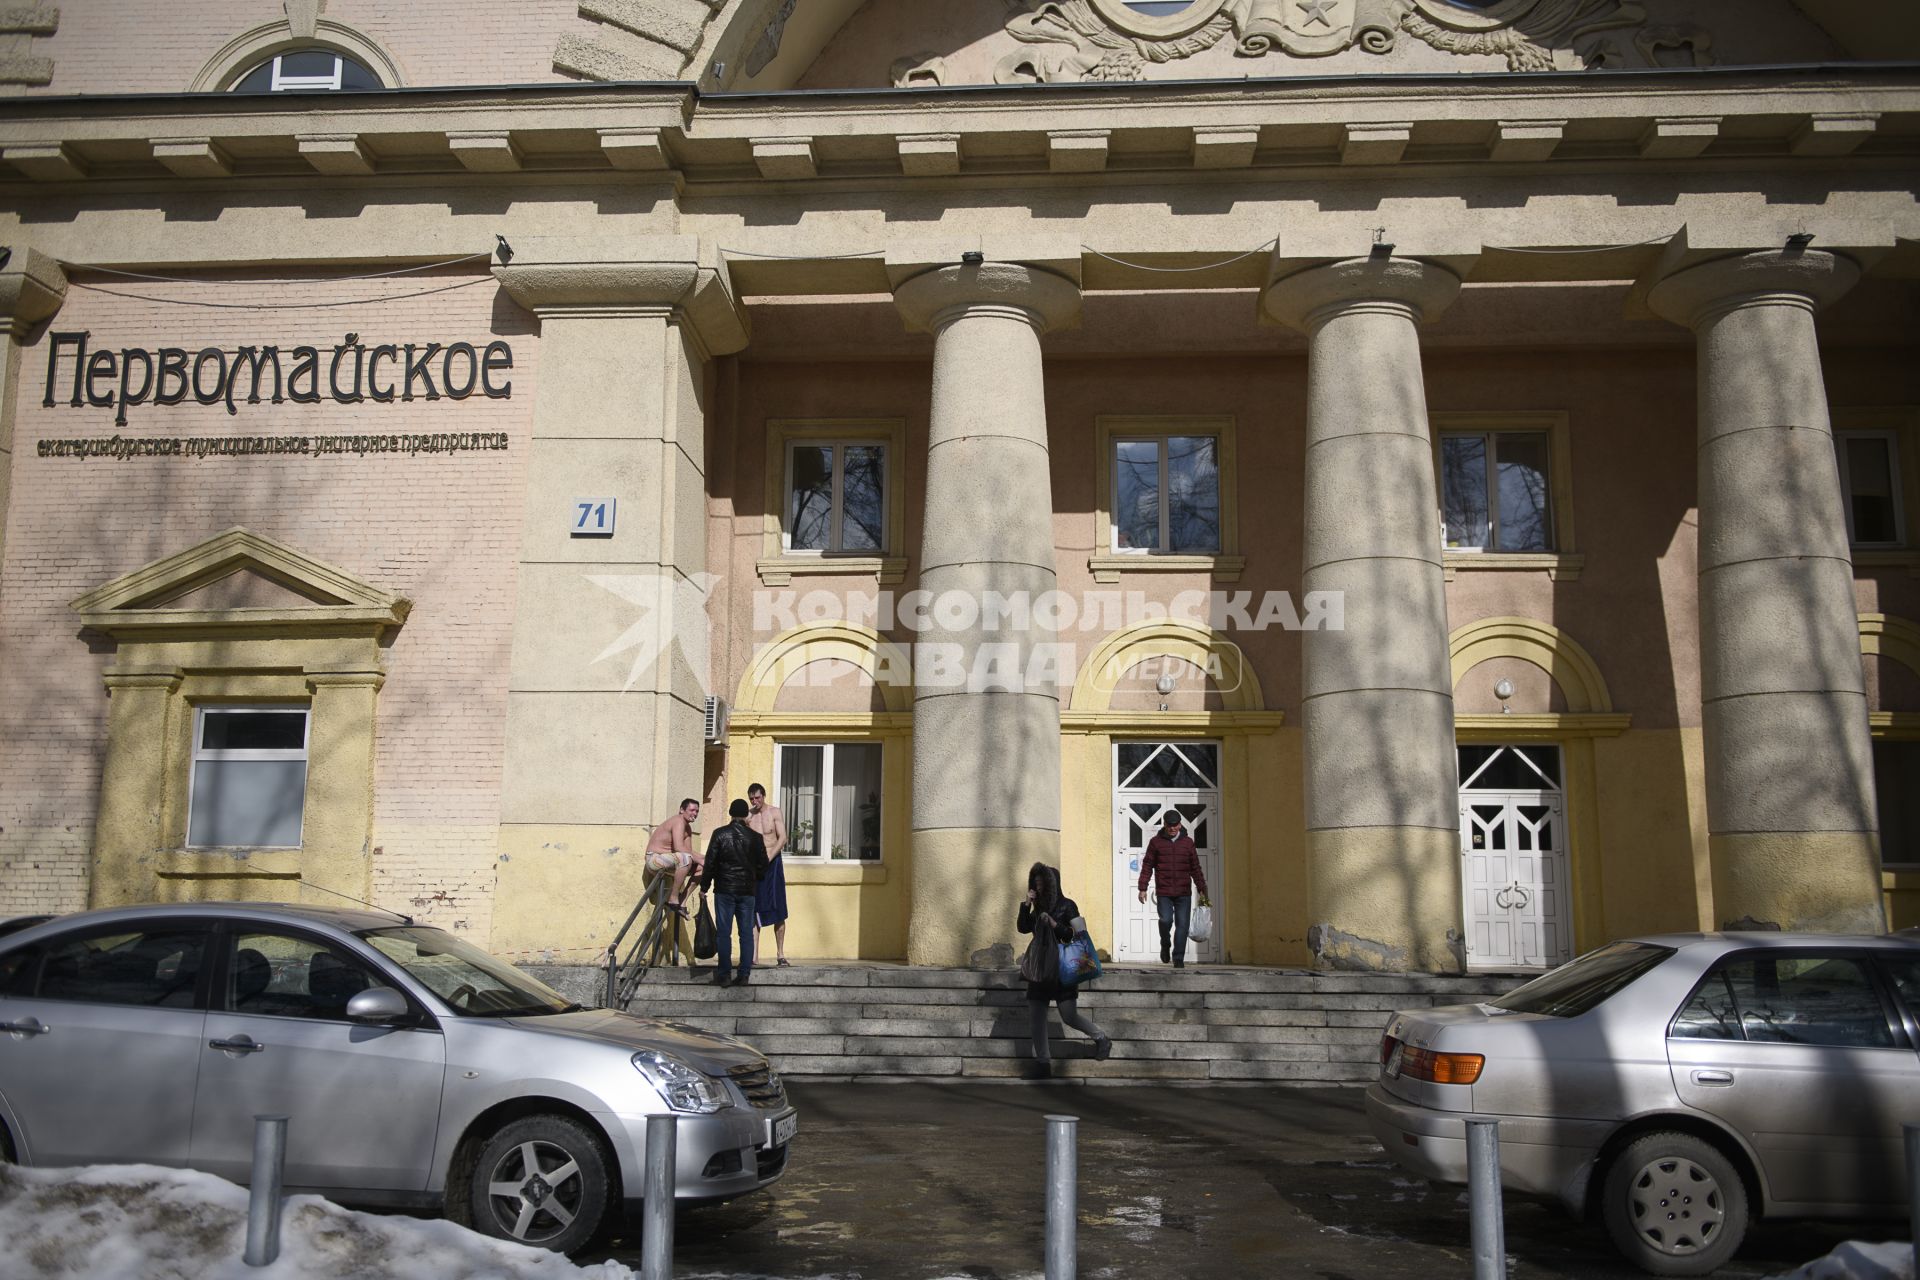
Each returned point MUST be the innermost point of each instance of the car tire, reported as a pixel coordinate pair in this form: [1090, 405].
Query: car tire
[543, 1180]
[1674, 1205]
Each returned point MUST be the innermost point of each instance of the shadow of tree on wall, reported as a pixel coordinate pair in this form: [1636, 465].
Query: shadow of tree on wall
[409, 524]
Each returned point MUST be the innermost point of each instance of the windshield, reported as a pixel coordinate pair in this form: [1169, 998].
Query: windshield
[467, 978]
[1583, 984]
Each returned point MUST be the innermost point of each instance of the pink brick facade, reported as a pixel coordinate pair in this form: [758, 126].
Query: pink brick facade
[442, 530]
[96, 51]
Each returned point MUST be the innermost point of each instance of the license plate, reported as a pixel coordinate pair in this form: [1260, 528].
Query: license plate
[1393, 1061]
[780, 1132]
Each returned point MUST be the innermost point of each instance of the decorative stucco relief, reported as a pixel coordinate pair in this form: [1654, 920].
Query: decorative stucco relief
[1073, 40]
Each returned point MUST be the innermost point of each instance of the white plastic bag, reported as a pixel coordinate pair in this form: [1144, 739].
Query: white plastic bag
[1201, 927]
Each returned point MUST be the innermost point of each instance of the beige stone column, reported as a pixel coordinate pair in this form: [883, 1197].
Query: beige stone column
[32, 287]
[336, 837]
[1382, 790]
[609, 670]
[1792, 826]
[134, 775]
[986, 752]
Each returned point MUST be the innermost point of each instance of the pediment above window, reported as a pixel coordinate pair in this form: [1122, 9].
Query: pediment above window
[240, 580]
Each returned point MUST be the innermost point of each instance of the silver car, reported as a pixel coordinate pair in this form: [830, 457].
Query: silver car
[417, 1070]
[1678, 1086]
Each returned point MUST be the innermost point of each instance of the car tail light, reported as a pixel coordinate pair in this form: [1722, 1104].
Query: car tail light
[1441, 1068]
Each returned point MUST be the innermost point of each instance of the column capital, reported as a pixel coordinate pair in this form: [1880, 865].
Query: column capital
[938, 296]
[1806, 278]
[572, 276]
[1308, 299]
[32, 287]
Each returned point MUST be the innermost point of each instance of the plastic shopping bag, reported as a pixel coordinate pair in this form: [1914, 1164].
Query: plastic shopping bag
[1079, 961]
[1201, 927]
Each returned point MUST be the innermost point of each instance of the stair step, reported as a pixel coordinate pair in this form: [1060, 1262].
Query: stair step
[863, 1021]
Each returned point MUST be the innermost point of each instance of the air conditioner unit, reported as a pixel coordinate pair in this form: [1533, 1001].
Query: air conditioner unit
[716, 732]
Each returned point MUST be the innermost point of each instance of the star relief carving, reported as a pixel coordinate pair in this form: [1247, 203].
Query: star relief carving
[1315, 11]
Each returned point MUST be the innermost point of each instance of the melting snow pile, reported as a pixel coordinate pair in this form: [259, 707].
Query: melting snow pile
[171, 1224]
[1857, 1261]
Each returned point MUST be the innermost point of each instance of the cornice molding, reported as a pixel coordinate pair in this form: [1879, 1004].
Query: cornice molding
[1363, 125]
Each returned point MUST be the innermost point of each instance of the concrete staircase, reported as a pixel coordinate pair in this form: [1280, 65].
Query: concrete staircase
[866, 1021]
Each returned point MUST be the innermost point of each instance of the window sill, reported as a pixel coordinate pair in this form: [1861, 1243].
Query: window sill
[1107, 568]
[1557, 566]
[886, 570]
[836, 872]
[1888, 558]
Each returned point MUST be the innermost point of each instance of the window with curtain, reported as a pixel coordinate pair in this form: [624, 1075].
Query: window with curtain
[830, 793]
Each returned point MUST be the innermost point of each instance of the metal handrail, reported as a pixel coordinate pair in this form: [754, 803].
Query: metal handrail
[625, 976]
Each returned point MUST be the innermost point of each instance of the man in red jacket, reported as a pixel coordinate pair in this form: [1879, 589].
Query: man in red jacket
[1172, 858]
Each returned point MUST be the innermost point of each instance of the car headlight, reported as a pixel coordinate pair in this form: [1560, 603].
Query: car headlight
[684, 1088]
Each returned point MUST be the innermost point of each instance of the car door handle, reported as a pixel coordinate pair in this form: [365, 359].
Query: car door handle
[239, 1044]
[28, 1027]
[1721, 1078]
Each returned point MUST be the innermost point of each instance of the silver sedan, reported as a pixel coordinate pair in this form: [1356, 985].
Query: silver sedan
[417, 1070]
[1676, 1086]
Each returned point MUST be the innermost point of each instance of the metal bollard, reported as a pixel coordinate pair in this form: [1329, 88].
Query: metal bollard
[1062, 1193]
[656, 1242]
[1913, 1190]
[1483, 1196]
[263, 1196]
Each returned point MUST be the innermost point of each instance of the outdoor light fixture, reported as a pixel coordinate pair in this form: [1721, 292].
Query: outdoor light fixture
[1382, 250]
[972, 258]
[1164, 687]
[1799, 240]
[1503, 689]
[503, 249]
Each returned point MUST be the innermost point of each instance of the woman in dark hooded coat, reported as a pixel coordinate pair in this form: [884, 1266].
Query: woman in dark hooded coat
[1049, 914]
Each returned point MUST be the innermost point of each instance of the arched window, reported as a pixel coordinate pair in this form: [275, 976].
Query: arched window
[306, 71]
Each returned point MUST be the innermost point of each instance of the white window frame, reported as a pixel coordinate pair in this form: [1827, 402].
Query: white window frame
[837, 517]
[1892, 436]
[1161, 443]
[284, 84]
[225, 755]
[821, 836]
[1490, 438]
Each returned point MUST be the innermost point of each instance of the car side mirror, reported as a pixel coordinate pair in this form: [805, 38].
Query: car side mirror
[377, 1005]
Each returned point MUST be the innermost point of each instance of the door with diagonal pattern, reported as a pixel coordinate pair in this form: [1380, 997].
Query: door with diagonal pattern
[1514, 857]
[1149, 779]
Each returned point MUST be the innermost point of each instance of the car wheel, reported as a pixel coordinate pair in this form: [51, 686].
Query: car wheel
[1675, 1205]
[544, 1181]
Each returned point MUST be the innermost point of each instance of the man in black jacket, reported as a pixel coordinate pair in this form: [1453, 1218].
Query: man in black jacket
[736, 859]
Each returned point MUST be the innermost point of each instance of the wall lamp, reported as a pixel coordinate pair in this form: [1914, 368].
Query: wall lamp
[1381, 251]
[972, 258]
[1798, 241]
[502, 249]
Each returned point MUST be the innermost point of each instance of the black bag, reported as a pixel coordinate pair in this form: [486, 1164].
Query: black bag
[706, 942]
[1042, 961]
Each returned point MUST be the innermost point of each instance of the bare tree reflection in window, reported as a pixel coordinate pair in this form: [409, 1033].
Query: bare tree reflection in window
[810, 507]
[863, 498]
[1136, 495]
[1463, 488]
[1193, 494]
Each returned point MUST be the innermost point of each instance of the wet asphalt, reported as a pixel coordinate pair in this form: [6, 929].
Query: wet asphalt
[930, 1181]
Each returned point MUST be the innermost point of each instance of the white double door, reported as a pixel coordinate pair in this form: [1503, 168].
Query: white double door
[1513, 846]
[1149, 779]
